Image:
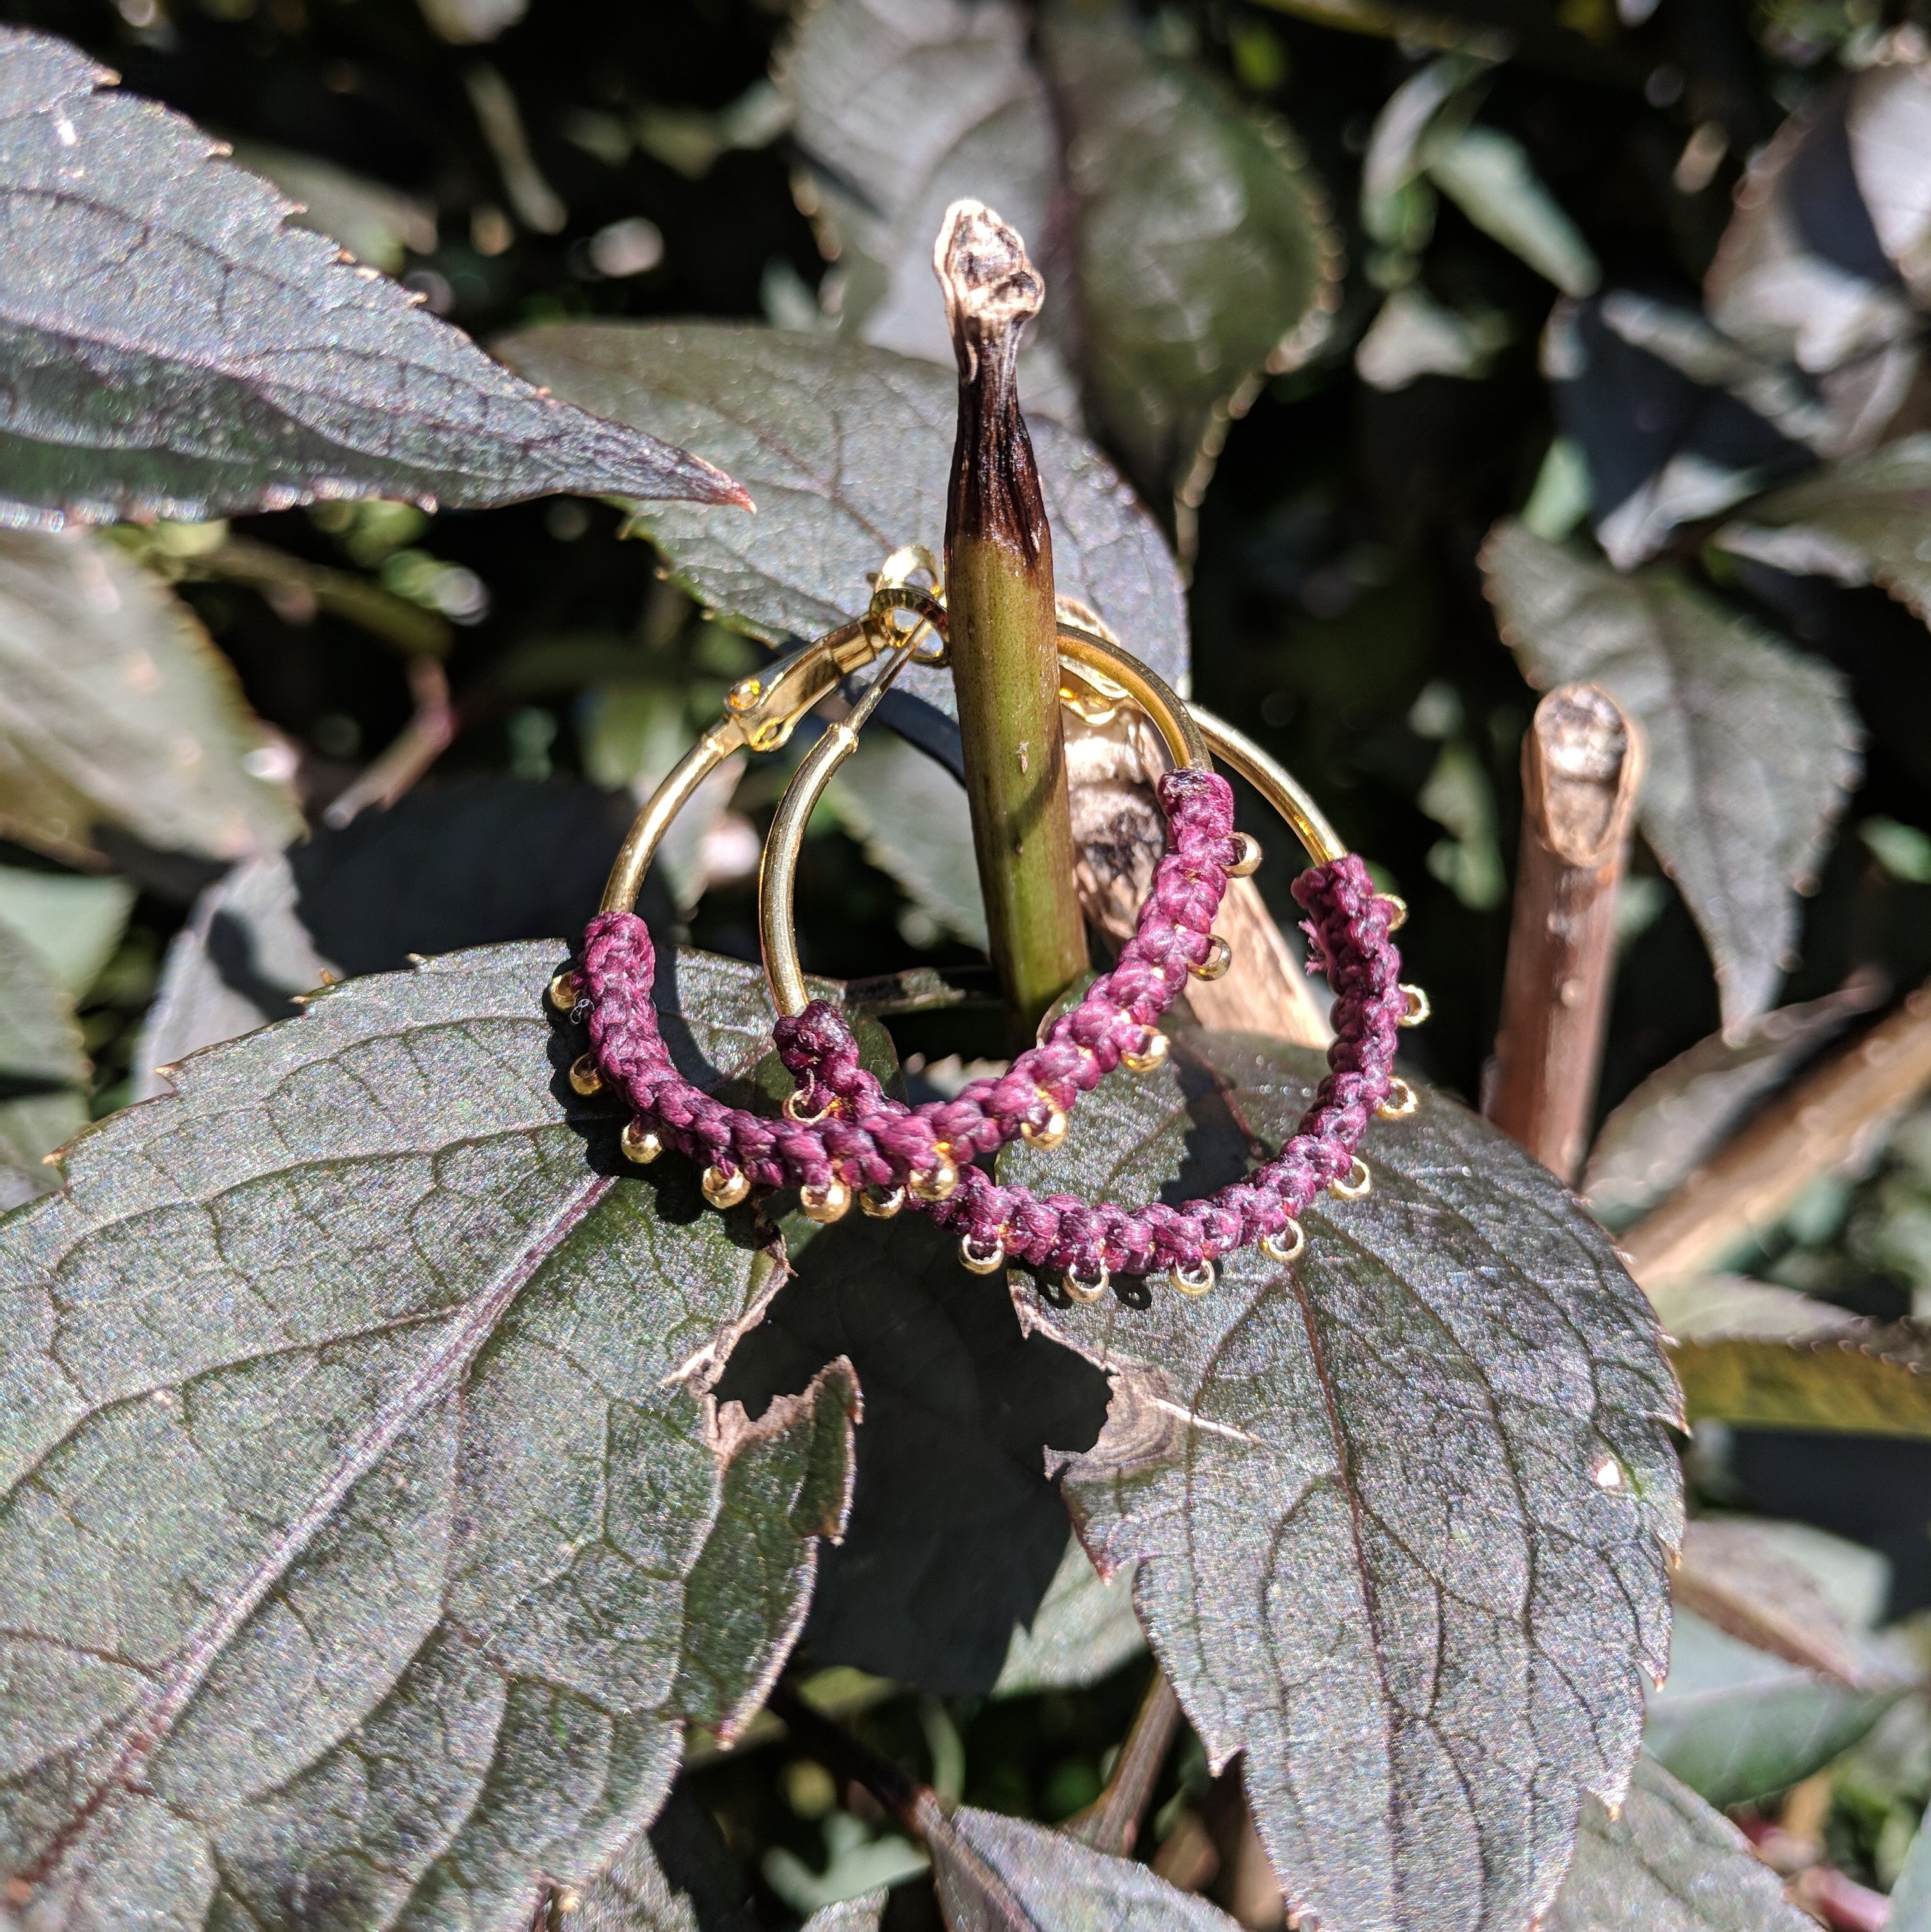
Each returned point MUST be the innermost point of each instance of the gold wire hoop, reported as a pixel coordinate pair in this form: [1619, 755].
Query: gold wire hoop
[762, 712]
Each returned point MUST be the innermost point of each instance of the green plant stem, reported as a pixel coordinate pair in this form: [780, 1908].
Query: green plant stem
[1004, 630]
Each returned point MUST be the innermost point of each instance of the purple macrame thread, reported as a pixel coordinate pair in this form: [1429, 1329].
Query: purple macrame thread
[862, 1137]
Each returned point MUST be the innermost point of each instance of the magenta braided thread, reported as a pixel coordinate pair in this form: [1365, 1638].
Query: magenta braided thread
[871, 1139]
[1348, 928]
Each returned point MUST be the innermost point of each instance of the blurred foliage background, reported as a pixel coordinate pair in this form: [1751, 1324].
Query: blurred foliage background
[518, 163]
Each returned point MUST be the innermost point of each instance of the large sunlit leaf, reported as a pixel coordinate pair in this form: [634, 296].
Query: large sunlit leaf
[1865, 519]
[1203, 244]
[1399, 1508]
[1752, 746]
[848, 450]
[996, 1874]
[42, 1068]
[115, 709]
[369, 1533]
[169, 344]
[1667, 1862]
[881, 183]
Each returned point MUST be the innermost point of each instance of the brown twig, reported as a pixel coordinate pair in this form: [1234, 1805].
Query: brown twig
[911, 1803]
[1111, 1823]
[410, 753]
[1582, 764]
[1819, 1126]
[1841, 1903]
[261, 567]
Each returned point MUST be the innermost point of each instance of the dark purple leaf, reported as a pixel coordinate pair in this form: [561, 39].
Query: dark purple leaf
[371, 1534]
[170, 346]
[1400, 1508]
[848, 449]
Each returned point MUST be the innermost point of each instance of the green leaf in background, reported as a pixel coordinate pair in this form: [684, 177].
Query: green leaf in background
[1863, 521]
[1400, 1508]
[1488, 176]
[1083, 1629]
[74, 920]
[170, 347]
[847, 449]
[376, 224]
[114, 708]
[1204, 246]
[1910, 1896]
[1862, 1378]
[1757, 1581]
[43, 1068]
[910, 813]
[1752, 746]
[881, 183]
[1735, 1723]
[1667, 1862]
[996, 1874]
[370, 1532]
[1769, 1357]
[635, 1892]
[244, 958]
[1687, 1108]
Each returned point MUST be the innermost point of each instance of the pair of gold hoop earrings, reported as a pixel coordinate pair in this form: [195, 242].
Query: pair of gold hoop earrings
[841, 1139]
[763, 710]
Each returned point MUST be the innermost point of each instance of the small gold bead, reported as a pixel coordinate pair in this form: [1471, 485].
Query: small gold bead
[970, 1257]
[1418, 1007]
[1402, 1100]
[1219, 957]
[1287, 1245]
[722, 1189]
[1150, 1056]
[935, 1183]
[1089, 1288]
[1196, 1280]
[1398, 910]
[826, 1204]
[640, 1144]
[565, 990]
[1048, 1133]
[881, 1203]
[585, 1076]
[1357, 1182]
[743, 695]
[1249, 862]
